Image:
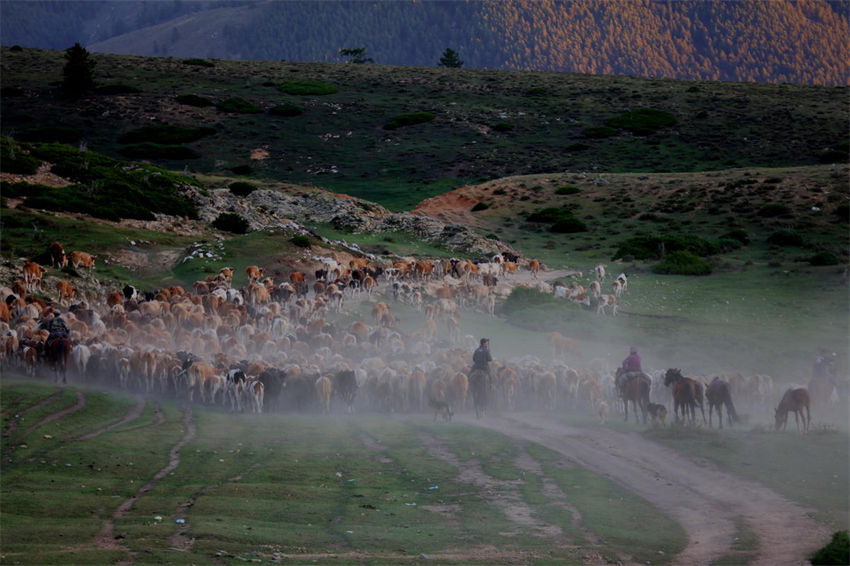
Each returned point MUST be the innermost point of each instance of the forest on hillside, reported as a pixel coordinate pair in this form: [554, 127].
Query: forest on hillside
[788, 41]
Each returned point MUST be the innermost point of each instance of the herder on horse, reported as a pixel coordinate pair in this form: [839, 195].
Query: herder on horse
[630, 369]
[57, 348]
[56, 326]
[479, 376]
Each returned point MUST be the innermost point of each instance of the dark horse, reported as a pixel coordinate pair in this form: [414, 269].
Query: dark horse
[634, 387]
[718, 394]
[795, 399]
[687, 395]
[58, 352]
[478, 384]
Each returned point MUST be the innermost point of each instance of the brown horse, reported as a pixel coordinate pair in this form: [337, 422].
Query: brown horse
[634, 388]
[687, 395]
[822, 391]
[795, 399]
[718, 394]
[58, 352]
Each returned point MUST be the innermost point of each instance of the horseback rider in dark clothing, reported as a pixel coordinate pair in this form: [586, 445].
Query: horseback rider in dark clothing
[479, 376]
[56, 326]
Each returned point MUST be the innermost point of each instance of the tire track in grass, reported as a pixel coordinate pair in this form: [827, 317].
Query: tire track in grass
[106, 538]
[81, 402]
[131, 415]
[14, 424]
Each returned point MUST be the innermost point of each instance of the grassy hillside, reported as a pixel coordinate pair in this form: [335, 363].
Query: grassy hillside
[324, 124]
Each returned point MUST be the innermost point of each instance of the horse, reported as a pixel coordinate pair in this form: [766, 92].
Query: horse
[795, 399]
[478, 385]
[822, 391]
[687, 394]
[58, 352]
[718, 394]
[634, 388]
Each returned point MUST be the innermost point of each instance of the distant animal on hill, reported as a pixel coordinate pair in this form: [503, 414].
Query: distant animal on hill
[718, 394]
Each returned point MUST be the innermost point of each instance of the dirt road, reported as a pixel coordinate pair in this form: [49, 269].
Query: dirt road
[704, 500]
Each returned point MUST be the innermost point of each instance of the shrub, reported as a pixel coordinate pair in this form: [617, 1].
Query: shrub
[231, 222]
[643, 121]
[242, 169]
[577, 147]
[503, 127]
[238, 105]
[166, 134]
[198, 62]
[773, 209]
[567, 190]
[14, 159]
[833, 156]
[537, 91]
[480, 206]
[403, 120]
[599, 132]
[550, 214]
[729, 244]
[785, 238]
[500, 192]
[148, 150]
[117, 89]
[682, 262]
[58, 134]
[241, 188]
[194, 100]
[737, 234]
[823, 258]
[842, 211]
[286, 110]
[301, 241]
[522, 298]
[654, 247]
[836, 552]
[568, 225]
[304, 88]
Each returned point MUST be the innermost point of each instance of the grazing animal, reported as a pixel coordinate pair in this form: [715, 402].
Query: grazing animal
[606, 301]
[345, 385]
[254, 273]
[600, 272]
[658, 414]
[33, 273]
[602, 411]
[634, 388]
[324, 388]
[58, 353]
[623, 281]
[719, 394]
[66, 291]
[442, 408]
[84, 259]
[687, 395]
[534, 266]
[58, 258]
[795, 399]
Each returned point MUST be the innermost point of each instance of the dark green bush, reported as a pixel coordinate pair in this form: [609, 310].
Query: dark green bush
[241, 188]
[577, 147]
[231, 222]
[682, 262]
[824, 258]
[729, 244]
[286, 110]
[166, 134]
[14, 159]
[537, 91]
[480, 206]
[194, 100]
[567, 190]
[305, 88]
[833, 156]
[500, 192]
[738, 234]
[643, 121]
[198, 62]
[117, 89]
[599, 132]
[238, 105]
[58, 134]
[150, 150]
[301, 241]
[842, 211]
[550, 214]
[568, 225]
[654, 247]
[522, 298]
[503, 127]
[403, 120]
[785, 238]
[836, 552]
[242, 169]
[773, 209]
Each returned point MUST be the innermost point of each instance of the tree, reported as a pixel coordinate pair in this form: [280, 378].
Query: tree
[450, 59]
[356, 55]
[78, 73]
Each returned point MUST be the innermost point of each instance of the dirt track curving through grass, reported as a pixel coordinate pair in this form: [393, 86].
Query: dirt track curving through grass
[704, 500]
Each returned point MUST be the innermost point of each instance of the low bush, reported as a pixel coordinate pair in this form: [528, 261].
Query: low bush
[117, 89]
[567, 190]
[238, 105]
[503, 127]
[198, 62]
[682, 262]
[643, 121]
[729, 244]
[242, 169]
[194, 100]
[500, 192]
[568, 225]
[286, 110]
[306, 88]
[824, 258]
[300, 241]
[577, 147]
[784, 238]
[834, 156]
[403, 120]
[148, 150]
[231, 222]
[842, 211]
[480, 206]
[836, 552]
[599, 132]
[15, 159]
[654, 247]
[166, 134]
[241, 188]
[48, 134]
[772, 210]
[522, 298]
[550, 214]
[737, 234]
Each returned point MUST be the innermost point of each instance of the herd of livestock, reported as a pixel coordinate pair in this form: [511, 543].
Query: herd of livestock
[283, 346]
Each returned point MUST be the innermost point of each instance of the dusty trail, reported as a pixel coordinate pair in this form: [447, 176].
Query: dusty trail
[131, 415]
[81, 402]
[705, 501]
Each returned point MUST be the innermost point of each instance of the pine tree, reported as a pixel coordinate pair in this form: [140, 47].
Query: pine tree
[78, 72]
[450, 59]
[356, 55]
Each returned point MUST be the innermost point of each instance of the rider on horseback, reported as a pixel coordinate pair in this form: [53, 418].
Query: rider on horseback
[55, 325]
[479, 375]
[631, 368]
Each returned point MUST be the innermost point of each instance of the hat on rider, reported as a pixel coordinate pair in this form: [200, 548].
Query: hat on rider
[484, 341]
[633, 350]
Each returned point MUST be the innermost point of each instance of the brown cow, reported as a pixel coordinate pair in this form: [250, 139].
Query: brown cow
[58, 258]
[254, 273]
[324, 388]
[82, 258]
[115, 298]
[66, 291]
[33, 273]
[534, 266]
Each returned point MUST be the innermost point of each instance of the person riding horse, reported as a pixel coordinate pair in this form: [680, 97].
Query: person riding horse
[479, 376]
[630, 369]
[56, 326]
